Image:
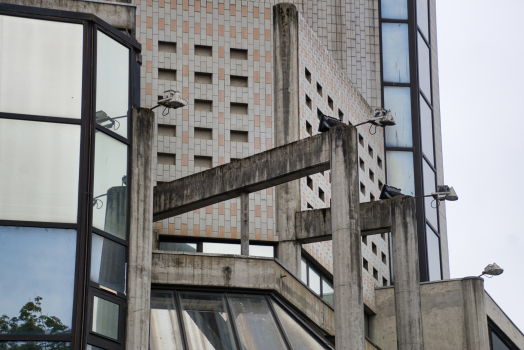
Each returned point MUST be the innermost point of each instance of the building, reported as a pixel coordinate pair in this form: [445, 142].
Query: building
[79, 159]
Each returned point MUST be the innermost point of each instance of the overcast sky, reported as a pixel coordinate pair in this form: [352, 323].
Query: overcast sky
[481, 54]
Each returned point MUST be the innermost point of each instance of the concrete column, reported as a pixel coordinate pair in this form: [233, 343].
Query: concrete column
[475, 319]
[345, 225]
[244, 223]
[141, 231]
[287, 118]
[406, 271]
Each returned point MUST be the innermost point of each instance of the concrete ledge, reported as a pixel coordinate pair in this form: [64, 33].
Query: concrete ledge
[236, 271]
[502, 321]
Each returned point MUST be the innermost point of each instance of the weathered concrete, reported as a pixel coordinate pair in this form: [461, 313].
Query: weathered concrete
[140, 237]
[475, 320]
[244, 223]
[287, 126]
[498, 316]
[251, 174]
[406, 271]
[236, 271]
[345, 224]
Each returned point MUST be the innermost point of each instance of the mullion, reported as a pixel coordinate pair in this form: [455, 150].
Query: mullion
[181, 320]
[110, 236]
[277, 321]
[40, 118]
[234, 326]
[113, 134]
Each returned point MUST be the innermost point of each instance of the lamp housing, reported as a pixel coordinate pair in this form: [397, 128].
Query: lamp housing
[172, 99]
[389, 192]
[327, 122]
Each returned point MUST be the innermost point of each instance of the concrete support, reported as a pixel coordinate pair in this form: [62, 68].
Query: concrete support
[406, 270]
[475, 319]
[347, 254]
[141, 231]
[244, 223]
[286, 92]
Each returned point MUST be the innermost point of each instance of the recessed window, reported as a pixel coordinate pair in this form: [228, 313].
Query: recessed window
[319, 114]
[201, 50]
[321, 195]
[238, 136]
[310, 183]
[384, 259]
[204, 105]
[371, 197]
[361, 140]
[362, 188]
[330, 103]
[384, 282]
[374, 248]
[308, 75]
[165, 46]
[166, 130]
[308, 102]
[380, 185]
[238, 108]
[238, 81]
[383, 236]
[309, 128]
[365, 240]
[340, 115]
[319, 89]
[365, 264]
[375, 274]
[203, 78]
[166, 158]
[309, 207]
[362, 164]
[238, 54]
[203, 162]
[379, 162]
[370, 151]
[371, 175]
[167, 74]
[203, 133]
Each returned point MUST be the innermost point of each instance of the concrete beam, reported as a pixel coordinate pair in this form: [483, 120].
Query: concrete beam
[475, 320]
[251, 174]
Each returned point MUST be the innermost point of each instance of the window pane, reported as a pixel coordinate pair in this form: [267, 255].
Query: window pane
[165, 331]
[424, 73]
[108, 263]
[366, 324]
[422, 17]
[266, 251]
[92, 347]
[44, 75]
[35, 345]
[398, 100]
[433, 255]
[206, 321]
[429, 187]
[221, 248]
[105, 317]
[299, 337]
[110, 191]
[255, 324]
[303, 270]
[112, 84]
[178, 247]
[498, 344]
[395, 52]
[314, 280]
[327, 292]
[40, 177]
[400, 171]
[394, 9]
[426, 126]
[38, 269]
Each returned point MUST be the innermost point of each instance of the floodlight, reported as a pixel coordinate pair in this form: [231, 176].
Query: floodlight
[382, 117]
[106, 121]
[171, 99]
[389, 192]
[492, 270]
[327, 122]
[445, 193]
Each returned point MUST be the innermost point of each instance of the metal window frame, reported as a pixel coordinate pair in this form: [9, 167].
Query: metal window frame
[494, 328]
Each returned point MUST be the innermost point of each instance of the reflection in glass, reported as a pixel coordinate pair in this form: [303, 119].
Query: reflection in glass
[92, 347]
[37, 267]
[328, 293]
[303, 270]
[36, 345]
[395, 52]
[112, 84]
[394, 9]
[400, 171]
[221, 248]
[110, 191]
[497, 343]
[433, 255]
[44, 75]
[299, 337]
[398, 100]
[422, 17]
[206, 321]
[426, 127]
[165, 331]
[39, 166]
[255, 324]
[105, 317]
[108, 261]
[314, 280]
[266, 251]
[178, 247]
[429, 187]
[424, 74]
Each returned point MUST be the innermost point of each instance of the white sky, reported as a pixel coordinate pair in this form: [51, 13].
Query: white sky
[481, 76]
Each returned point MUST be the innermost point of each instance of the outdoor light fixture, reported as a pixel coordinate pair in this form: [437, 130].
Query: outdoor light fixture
[382, 117]
[327, 122]
[492, 270]
[106, 121]
[444, 193]
[389, 192]
[172, 99]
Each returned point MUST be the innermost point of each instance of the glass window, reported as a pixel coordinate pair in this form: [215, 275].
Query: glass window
[366, 324]
[44, 75]
[178, 247]
[105, 317]
[328, 292]
[255, 324]
[112, 84]
[108, 263]
[221, 248]
[110, 191]
[395, 52]
[422, 17]
[40, 177]
[424, 73]
[433, 255]
[426, 126]
[206, 321]
[497, 343]
[92, 347]
[267, 251]
[429, 187]
[303, 270]
[36, 345]
[314, 280]
[299, 337]
[38, 272]
[398, 100]
[164, 329]
[400, 171]
[394, 9]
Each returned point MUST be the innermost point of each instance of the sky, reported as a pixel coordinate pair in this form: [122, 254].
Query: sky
[481, 75]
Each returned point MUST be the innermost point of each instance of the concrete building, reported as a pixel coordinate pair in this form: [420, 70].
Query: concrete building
[231, 222]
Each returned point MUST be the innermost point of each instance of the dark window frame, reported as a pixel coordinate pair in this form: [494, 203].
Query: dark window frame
[323, 273]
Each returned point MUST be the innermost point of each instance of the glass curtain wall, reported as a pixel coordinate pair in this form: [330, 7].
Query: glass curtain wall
[406, 89]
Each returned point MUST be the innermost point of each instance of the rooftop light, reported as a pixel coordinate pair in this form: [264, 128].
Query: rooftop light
[171, 99]
[492, 270]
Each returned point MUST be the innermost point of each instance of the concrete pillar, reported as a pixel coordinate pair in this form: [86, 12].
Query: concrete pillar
[406, 271]
[116, 209]
[475, 319]
[345, 225]
[141, 231]
[244, 223]
[287, 118]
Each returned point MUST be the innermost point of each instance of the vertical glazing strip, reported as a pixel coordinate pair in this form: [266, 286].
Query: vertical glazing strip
[232, 321]
[181, 320]
[279, 325]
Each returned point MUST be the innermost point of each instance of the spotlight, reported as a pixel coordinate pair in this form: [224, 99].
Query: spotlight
[382, 117]
[327, 123]
[389, 192]
[445, 193]
[172, 99]
[492, 270]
